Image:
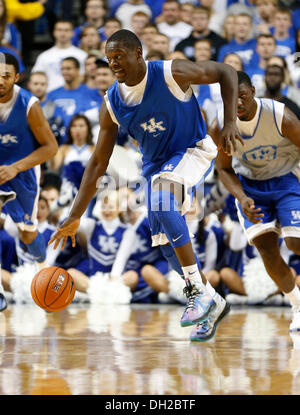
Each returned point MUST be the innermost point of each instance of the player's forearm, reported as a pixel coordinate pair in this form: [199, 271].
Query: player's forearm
[38, 156]
[88, 187]
[229, 91]
[231, 182]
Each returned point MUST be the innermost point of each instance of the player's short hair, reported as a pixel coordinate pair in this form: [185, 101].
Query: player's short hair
[244, 78]
[100, 63]
[126, 38]
[9, 59]
[74, 60]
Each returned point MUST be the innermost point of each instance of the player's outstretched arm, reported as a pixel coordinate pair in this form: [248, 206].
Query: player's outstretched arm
[186, 73]
[231, 181]
[47, 149]
[94, 170]
[290, 126]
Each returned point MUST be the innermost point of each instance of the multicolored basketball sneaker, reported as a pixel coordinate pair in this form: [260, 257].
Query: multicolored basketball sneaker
[199, 305]
[206, 329]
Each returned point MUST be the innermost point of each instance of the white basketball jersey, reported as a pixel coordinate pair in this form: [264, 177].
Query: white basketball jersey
[266, 153]
[80, 154]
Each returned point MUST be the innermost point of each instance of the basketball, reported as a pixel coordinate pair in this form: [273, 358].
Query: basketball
[52, 289]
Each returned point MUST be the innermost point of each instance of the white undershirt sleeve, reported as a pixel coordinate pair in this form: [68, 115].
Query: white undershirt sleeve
[32, 101]
[86, 227]
[211, 251]
[279, 111]
[125, 249]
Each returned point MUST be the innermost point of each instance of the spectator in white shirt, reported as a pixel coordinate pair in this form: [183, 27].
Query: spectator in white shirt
[138, 21]
[50, 60]
[161, 42]
[125, 12]
[172, 26]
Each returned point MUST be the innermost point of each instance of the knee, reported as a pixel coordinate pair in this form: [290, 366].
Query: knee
[146, 271]
[225, 274]
[213, 277]
[293, 244]
[131, 278]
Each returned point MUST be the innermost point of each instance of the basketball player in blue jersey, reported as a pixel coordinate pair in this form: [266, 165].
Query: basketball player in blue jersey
[153, 102]
[262, 175]
[26, 141]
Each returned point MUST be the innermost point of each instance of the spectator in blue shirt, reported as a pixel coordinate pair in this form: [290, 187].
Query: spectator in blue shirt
[12, 51]
[90, 39]
[283, 33]
[242, 44]
[265, 48]
[111, 25]
[265, 10]
[12, 36]
[74, 96]
[95, 13]
[37, 85]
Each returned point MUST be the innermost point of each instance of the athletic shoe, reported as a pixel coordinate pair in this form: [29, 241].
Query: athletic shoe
[206, 330]
[199, 305]
[295, 324]
[3, 302]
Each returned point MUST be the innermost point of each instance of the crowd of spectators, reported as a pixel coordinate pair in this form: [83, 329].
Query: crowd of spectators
[70, 78]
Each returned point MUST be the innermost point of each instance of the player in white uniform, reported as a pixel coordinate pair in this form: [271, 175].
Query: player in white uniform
[261, 174]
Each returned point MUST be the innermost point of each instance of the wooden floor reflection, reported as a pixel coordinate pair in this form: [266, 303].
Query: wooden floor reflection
[101, 350]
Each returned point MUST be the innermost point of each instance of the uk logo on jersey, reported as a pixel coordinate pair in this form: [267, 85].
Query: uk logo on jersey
[265, 153]
[153, 126]
[108, 244]
[8, 139]
[168, 167]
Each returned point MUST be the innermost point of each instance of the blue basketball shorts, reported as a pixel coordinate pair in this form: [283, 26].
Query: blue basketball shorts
[279, 201]
[24, 190]
[188, 168]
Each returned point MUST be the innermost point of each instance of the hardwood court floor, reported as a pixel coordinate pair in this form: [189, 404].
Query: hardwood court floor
[141, 349]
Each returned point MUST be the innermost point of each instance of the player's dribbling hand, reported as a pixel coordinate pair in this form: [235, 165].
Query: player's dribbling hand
[248, 207]
[7, 173]
[227, 138]
[67, 229]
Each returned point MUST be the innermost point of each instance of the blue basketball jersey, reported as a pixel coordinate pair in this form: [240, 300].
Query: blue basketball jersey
[102, 247]
[16, 138]
[162, 123]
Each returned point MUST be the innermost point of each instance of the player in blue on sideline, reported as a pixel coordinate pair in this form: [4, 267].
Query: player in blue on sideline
[154, 103]
[26, 141]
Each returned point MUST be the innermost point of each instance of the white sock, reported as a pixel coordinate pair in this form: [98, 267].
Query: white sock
[294, 297]
[210, 289]
[192, 274]
[216, 296]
